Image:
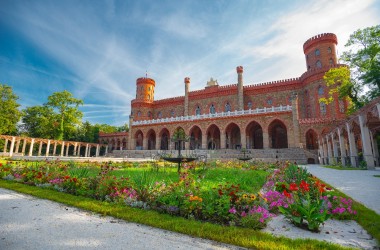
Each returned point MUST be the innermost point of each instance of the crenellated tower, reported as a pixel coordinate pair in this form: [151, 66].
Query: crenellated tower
[320, 51]
[142, 105]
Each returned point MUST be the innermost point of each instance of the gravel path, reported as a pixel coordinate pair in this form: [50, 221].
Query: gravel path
[360, 185]
[30, 223]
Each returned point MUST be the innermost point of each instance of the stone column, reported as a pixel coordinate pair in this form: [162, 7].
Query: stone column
[24, 147]
[335, 148]
[240, 88]
[145, 143]
[17, 146]
[106, 151]
[5, 145]
[62, 148]
[78, 153]
[265, 140]
[342, 147]
[295, 117]
[40, 148]
[89, 151]
[47, 148]
[158, 142]
[352, 144]
[12, 146]
[223, 140]
[376, 150]
[243, 139]
[67, 150]
[187, 145]
[75, 149]
[204, 141]
[86, 152]
[367, 149]
[131, 142]
[325, 153]
[31, 147]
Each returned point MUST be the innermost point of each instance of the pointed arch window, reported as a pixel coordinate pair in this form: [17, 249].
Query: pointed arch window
[319, 64]
[172, 113]
[331, 62]
[269, 101]
[198, 111]
[159, 115]
[138, 114]
[317, 52]
[341, 106]
[212, 109]
[322, 108]
[227, 107]
[329, 50]
[321, 91]
[249, 105]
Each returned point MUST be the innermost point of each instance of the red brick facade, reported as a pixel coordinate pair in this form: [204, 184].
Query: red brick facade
[278, 114]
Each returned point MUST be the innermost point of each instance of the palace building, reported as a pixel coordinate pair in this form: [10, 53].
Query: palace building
[276, 115]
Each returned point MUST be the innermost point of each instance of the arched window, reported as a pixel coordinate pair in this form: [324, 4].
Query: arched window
[308, 111]
[317, 52]
[198, 111]
[249, 105]
[172, 113]
[212, 109]
[322, 108]
[227, 107]
[150, 114]
[138, 114]
[321, 91]
[329, 50]
[319, 64]
[148, 97]
[159, 115]
[331, 62]
[269, 101]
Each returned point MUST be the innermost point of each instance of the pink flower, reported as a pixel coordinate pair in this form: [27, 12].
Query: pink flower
[232, 210]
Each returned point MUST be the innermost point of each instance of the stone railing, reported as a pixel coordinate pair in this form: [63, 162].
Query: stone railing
[215, 115]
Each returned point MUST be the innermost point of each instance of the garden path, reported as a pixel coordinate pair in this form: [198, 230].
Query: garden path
[360, 185]
[31, 223]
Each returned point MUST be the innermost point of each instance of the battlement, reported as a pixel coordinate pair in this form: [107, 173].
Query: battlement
[169, 100]
[275, 83]
[325, 37]
[145, 80]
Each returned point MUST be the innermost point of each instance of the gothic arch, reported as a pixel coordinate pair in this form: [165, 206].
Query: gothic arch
[151, 135]
[213, 137]
[165, 139]
[139, 137]
[233, 136]
[311, 139]
[195, 137]
[254, 133]
[278, 136]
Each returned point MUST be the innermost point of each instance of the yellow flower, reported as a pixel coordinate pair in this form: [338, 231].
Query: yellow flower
[253, 197]
[245, 196]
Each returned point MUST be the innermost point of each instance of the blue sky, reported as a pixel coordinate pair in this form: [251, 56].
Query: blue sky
[97, 49]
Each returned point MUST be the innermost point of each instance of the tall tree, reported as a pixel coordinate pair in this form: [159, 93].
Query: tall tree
[40, 121]
[363, 75]
[69, 114]
[9, 113]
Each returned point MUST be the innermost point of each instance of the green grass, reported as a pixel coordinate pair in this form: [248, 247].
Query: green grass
[337, 167]
[231, 235]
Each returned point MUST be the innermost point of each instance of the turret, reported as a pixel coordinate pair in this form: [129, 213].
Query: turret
[320, 51]
[145, 89]
[187, 89]
[239, 70]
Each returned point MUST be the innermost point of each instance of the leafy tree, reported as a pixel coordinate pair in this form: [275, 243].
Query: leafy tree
[69, 114]
[123, 128]
[9, 113]
[363, 60]
[40, 121]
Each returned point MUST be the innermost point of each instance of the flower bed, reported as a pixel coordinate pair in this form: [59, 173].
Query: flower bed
[289, 190]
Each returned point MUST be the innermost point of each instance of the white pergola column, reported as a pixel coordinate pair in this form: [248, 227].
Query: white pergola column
[375, 149]
[40, 149]
[5, 145]
[329, 152]
[62, 148]
[342, 147]
[75, 149]
[31, 147]
[97, 150]
[47, 148]
[89, 151]
[55, 147]
[78, 153]
[352, 144]
[24, 147]
[106, 152]
[12, 146]
[86, 152]
[367, 147]
[17, 146]
[67, 150]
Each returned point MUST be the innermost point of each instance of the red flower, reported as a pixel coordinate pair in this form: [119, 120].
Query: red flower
[304, 186]
[286, 194]
[293, 187]
[220, 192]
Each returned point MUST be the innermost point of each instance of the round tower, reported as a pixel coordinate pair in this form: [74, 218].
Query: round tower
[320, 51]
[145, 89]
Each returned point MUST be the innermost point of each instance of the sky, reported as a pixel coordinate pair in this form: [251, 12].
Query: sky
[97, 49]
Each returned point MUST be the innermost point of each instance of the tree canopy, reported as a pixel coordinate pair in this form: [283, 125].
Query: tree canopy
[363, 74]
[9, 113]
